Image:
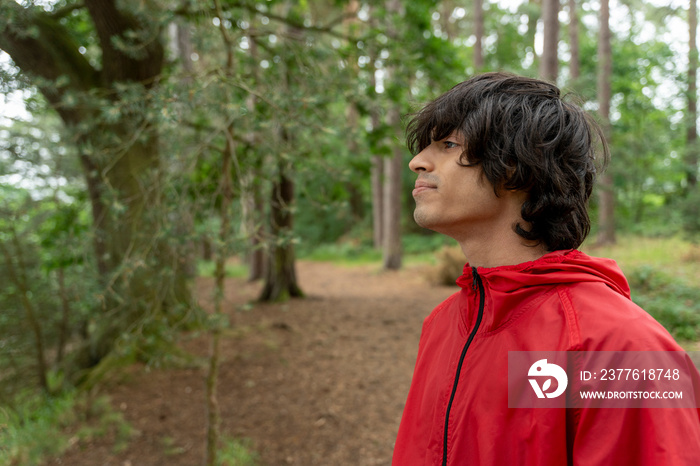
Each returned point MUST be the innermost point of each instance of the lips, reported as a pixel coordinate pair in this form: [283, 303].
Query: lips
[423, 186]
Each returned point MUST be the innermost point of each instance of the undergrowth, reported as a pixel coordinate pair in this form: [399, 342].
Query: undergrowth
[237, 452]
[671, 301]
[42, 427]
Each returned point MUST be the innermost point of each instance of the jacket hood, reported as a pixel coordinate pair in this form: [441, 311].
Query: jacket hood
[554, 268]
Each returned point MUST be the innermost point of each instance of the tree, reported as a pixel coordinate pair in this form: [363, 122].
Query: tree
[549, 64]
[606, 212]
[478, 34]
[393, 165]
[104, 99]
[574, 61]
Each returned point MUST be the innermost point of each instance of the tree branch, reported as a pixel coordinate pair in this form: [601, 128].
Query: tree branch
[139, 59]
[41, 47]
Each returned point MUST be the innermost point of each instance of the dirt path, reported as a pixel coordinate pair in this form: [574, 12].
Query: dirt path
[319, 381]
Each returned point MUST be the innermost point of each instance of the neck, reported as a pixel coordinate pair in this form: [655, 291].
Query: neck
[503, 248]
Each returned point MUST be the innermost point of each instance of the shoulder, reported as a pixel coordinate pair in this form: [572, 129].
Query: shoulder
[441, 311]
[605, 320]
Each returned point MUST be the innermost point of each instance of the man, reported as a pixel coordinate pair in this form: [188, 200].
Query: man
[505, 166]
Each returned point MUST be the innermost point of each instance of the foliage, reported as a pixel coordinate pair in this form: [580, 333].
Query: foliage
[675, 304]
[41, 427]
[237, 452]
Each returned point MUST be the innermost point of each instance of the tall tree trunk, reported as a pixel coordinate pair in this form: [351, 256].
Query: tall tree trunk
[391, 222]
[606, 213]
[479, 34]
[534, 12]
[377, 199]
[549, 64]
[392, 203]
[574, 61]
[377, 176]
[692, 118]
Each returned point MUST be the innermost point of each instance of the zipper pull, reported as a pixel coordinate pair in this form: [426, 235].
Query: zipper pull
[475, 279]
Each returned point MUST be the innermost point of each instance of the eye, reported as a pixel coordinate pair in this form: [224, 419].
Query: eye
[450, 144]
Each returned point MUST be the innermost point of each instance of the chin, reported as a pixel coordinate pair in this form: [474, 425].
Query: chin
[423, 221]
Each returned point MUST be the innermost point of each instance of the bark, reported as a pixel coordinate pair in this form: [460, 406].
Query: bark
[479, 34]
[392, 203]
[549, 63]
[574, 61]
[606, 214]
[391, 192]
[280, 272]
[377, 179]
[377, 201]
[691, 131]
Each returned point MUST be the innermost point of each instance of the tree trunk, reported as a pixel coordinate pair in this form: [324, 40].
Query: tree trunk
[534, 11]
[479, 34]
[549, 64]
[692, 133]
[392, 203]
[574, 61]
[606, 195]
[391, 192]
[280, 272]
[280, 269]
[377, 178]
[377, 201]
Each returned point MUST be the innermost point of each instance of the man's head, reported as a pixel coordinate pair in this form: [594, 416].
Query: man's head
[525, 141]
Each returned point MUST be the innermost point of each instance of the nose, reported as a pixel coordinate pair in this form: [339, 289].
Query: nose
[421, 162]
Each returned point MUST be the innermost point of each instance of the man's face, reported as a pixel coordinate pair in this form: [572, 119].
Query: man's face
[456, 200]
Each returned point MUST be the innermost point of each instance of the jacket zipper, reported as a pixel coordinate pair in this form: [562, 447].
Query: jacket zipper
[477, 283]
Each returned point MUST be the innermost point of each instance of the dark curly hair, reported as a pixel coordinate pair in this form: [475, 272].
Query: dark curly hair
[526, 138]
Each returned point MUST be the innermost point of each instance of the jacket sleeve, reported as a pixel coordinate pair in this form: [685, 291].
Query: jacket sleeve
[640, 437]
[646, 436]
[658, 436]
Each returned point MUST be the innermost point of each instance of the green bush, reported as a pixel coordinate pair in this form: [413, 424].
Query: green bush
[671, 301]
[40, 427]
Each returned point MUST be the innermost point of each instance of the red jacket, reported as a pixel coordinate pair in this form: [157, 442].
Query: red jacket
[564, 301]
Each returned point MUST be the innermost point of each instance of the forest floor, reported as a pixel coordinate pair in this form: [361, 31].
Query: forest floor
[314, 381]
